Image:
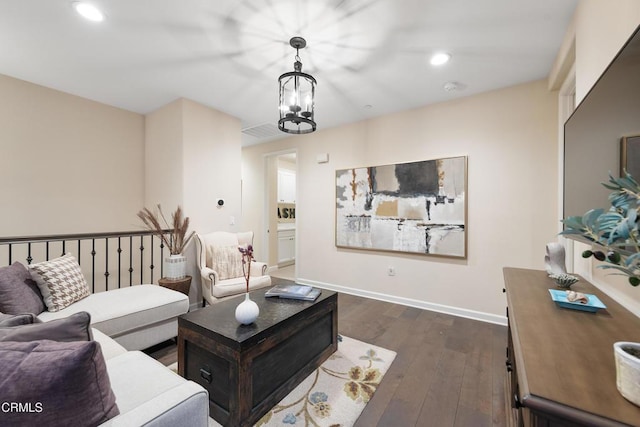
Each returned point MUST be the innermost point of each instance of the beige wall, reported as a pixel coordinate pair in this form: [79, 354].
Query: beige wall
[602, 28]
[510, 138]
[212, 159]
[67, 164]
[193, 158]
[164, 158]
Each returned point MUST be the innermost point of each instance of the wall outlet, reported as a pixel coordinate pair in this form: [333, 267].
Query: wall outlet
[391, 271]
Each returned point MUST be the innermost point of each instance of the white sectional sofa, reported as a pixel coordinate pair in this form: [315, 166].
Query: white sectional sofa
[137, 317]
[57, 362]
[148, 393]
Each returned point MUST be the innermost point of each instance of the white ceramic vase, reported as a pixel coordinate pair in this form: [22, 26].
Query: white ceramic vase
[175, 267]
[627, 371]
[247, 312]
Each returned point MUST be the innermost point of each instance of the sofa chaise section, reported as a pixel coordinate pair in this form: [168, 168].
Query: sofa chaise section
[137, 317]
[149, 394]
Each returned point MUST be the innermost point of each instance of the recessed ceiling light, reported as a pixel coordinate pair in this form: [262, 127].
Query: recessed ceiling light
[440, 58]
[89, 11]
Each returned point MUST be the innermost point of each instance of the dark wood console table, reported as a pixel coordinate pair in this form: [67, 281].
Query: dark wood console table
[249, 369]
[561, 369]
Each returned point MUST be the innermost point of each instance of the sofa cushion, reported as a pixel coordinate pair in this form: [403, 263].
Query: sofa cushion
[73, 328]
[61, 282]
[137, 378]
[18, 291]
[226, 261]
[110, 348]
[7, 320]
[62, 384]
[119, 311]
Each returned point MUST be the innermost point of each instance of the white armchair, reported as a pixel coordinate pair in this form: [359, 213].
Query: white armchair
[220, 264]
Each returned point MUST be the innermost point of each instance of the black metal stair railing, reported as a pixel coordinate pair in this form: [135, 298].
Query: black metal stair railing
[95, 255]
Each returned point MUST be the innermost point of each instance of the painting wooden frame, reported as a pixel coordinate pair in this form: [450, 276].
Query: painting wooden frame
[415, 207]
[630, 156]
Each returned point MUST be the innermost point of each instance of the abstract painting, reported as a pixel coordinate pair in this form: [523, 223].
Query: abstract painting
[418, 207]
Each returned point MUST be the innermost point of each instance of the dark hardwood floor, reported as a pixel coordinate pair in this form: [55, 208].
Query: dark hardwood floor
[449, 371]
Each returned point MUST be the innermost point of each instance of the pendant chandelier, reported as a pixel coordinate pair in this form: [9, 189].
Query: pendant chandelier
[297, 92]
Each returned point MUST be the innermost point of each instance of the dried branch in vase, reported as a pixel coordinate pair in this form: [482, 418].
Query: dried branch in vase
[176, 238]
[247, 257]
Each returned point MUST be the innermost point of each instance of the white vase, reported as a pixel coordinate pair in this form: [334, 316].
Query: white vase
[627, 371]
[247, 312]
[175, 267]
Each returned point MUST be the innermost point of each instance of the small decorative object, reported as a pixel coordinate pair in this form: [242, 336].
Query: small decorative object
[247, 312]
[627, 356]
[582, 302]
[564, 281]
[175, 265]
[554, 259]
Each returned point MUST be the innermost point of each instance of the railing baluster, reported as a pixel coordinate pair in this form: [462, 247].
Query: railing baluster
[119, 260]
[106, 264]
[64, 247]
[78, 257]
[10, 257]
[46, 256]
[93, 265]
[161, 258]
[130, 260]
[151, 266]
[29, 259]
[141, 259]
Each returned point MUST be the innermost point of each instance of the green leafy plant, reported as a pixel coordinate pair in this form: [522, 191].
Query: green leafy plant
[173, 236]
[615, 230]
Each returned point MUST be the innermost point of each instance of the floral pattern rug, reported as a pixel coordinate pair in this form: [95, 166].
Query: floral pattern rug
[337, 392]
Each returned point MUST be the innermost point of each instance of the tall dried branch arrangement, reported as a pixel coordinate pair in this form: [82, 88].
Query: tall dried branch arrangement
[176, 239]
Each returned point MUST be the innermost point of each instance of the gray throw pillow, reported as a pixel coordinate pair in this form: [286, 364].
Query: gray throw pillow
[76, 327]
[62, 383]
[19, 293]
[7, 320]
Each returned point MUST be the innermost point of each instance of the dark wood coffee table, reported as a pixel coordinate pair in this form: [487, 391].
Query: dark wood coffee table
[248, 369]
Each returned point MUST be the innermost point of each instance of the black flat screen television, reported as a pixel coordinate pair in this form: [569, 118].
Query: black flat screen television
[594, 132]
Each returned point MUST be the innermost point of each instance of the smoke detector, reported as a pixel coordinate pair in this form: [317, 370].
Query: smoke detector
[453, 86]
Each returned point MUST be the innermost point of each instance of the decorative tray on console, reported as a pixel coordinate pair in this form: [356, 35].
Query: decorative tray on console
[560, 297]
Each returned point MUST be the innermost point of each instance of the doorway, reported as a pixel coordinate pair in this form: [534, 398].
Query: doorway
[281, 207]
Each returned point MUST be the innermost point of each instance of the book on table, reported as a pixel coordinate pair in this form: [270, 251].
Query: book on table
[301, 292]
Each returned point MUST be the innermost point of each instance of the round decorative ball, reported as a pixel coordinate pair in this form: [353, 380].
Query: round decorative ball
[247, 312]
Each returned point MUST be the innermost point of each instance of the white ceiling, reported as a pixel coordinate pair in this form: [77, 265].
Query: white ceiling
[370, 57]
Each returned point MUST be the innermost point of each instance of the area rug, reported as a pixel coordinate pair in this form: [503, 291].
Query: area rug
[336, 393]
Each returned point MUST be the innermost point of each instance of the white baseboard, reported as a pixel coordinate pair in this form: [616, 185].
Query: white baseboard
[454, 311]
